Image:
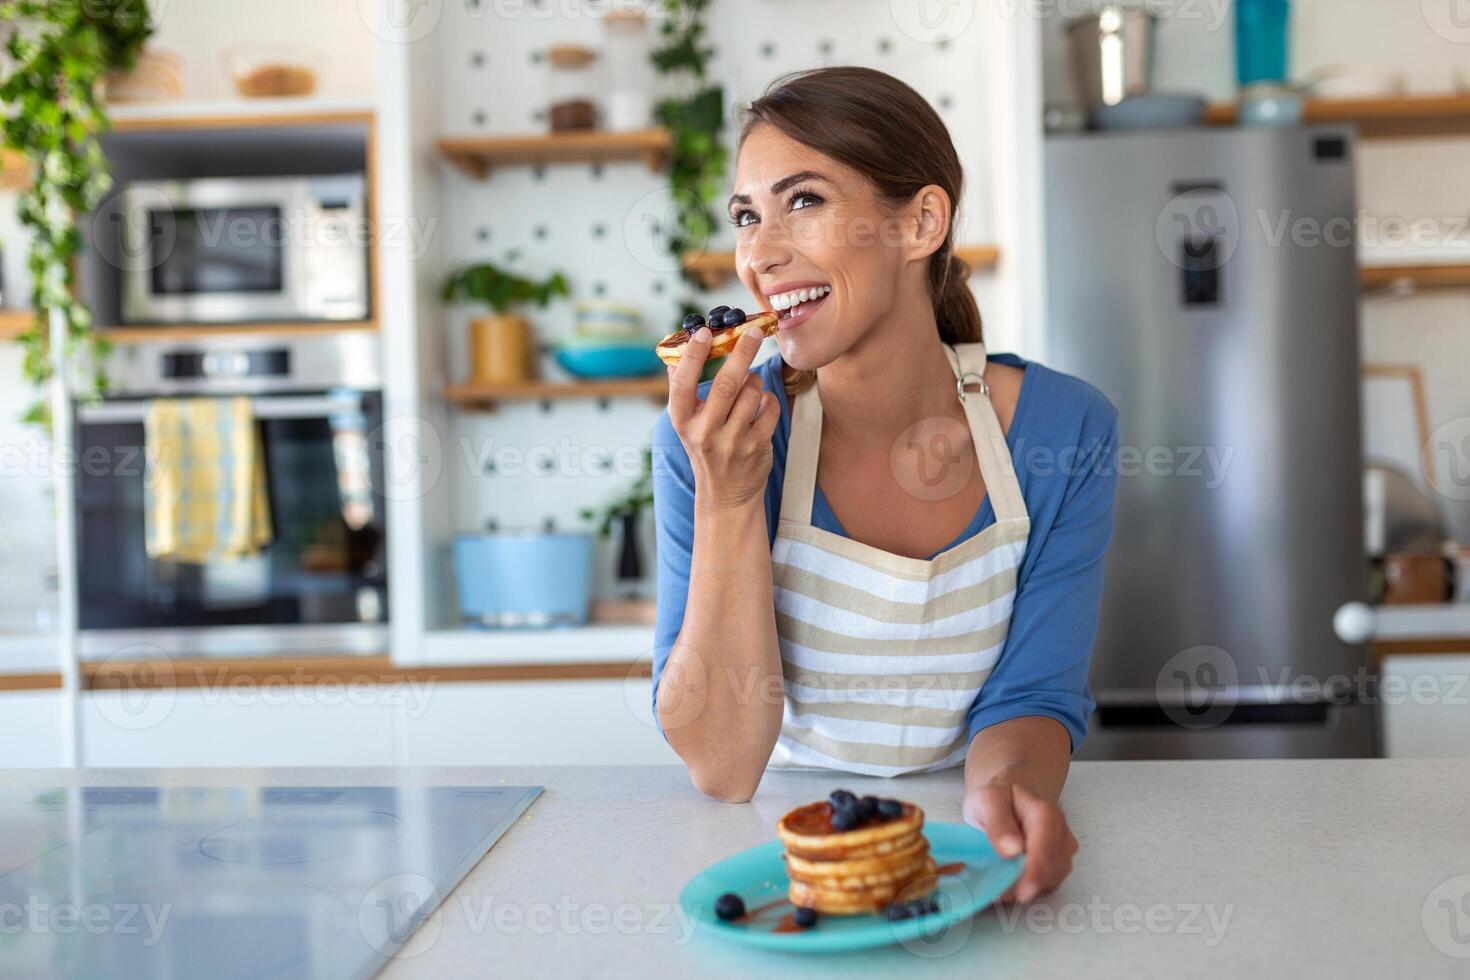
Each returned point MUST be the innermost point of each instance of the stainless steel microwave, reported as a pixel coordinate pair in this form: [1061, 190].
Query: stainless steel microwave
[244, 249]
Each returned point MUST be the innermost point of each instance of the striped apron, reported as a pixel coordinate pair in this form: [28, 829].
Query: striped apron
[883, 655]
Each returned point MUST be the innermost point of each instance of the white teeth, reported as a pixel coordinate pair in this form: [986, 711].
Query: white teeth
[785, 301]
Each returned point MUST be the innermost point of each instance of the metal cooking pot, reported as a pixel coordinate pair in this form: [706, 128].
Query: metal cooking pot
[1112, 53]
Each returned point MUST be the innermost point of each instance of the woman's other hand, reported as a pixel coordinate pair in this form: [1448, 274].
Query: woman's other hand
[1018, 821]
[728, 435]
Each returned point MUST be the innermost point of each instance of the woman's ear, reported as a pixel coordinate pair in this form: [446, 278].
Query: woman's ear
[930, 211]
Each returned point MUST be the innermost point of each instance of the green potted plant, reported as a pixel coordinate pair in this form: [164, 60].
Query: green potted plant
[500, 343]
[51, 113]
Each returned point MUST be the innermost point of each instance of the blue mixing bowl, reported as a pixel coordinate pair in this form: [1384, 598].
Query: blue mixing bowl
[609, 360]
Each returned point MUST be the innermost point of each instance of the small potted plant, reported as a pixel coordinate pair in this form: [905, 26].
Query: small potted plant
[500, 344]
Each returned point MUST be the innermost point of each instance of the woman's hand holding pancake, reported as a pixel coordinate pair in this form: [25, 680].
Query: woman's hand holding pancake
[728, 435]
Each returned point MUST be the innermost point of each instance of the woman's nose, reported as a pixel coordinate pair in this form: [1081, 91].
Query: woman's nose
[766, 249]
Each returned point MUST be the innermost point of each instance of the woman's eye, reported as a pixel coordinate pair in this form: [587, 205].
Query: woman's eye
[742, 218]
[804, 200]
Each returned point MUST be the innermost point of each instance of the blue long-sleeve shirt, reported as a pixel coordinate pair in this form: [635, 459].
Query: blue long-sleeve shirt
[1063, 437]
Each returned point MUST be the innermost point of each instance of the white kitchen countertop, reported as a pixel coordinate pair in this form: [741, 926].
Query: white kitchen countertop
[1351, 868]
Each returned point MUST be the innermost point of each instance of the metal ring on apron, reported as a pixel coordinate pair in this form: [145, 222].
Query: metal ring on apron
[965, 380]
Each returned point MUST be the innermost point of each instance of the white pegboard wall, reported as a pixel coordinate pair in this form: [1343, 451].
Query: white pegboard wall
[494, 76]
[592, 222]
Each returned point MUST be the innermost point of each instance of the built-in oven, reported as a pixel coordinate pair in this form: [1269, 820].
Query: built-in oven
[321, 583]
[244, 249]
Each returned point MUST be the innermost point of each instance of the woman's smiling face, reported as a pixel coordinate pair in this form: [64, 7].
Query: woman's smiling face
[816, 243]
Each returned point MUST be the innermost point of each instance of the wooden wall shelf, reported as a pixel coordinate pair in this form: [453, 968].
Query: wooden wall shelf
[712, 269]
[1416, 276]
[202, 331]
[979, 256]
[478, 155]
[487, 395]
[15, 171]
[237, 114]
[1385, 118]
[13, 323]
[296, 672]
[46, 681]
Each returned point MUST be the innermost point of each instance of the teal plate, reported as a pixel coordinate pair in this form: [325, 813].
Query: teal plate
[758, 876]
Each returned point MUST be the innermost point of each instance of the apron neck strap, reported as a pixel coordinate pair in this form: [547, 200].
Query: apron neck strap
[799, 486]
[994, 456]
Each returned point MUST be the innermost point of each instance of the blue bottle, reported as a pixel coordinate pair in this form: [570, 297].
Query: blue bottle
[1262, 41]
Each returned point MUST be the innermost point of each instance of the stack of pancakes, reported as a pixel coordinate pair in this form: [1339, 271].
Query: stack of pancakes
[858, 871]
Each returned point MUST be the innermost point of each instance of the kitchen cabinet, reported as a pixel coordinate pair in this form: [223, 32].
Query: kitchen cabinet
[417, 721]
[239, 725]
[533, 723]
[32, 729]
[1424, 704]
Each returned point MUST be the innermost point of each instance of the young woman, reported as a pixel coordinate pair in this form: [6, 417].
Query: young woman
[881, 552]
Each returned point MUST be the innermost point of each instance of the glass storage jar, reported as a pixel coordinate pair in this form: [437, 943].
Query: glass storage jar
[629, 72]
[572, 86]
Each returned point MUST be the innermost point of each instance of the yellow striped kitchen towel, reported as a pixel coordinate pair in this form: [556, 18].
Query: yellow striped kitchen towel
[205, 497]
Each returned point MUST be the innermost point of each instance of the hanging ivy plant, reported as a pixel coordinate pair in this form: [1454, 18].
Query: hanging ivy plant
[696, 120]
[50, 91]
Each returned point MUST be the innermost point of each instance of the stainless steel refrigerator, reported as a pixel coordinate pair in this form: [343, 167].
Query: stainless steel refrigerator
[1206, 281]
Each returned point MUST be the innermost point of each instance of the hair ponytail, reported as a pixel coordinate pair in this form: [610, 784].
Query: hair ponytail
[955, 309]
[884, 130]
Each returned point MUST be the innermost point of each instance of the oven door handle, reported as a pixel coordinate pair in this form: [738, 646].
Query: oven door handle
[274, 407]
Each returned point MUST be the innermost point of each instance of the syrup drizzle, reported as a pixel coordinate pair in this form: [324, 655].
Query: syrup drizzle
[787, 924]
[751, 914]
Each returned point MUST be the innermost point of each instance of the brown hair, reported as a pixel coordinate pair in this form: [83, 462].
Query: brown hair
[884, 130]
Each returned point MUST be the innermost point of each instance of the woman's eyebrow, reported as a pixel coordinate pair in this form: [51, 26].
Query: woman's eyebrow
[779, 186]
[795, 179]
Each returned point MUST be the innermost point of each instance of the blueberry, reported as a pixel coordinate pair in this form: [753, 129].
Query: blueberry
[844, 819]
[729, 906]
[714, 316]
[933, 905]
[898, 912]
[732, 317]
[693, 322]
[867, 808]
[805, 917]
[917, 907]
[890, 809]
[841, 798]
